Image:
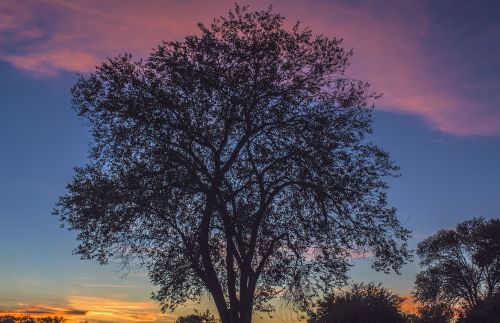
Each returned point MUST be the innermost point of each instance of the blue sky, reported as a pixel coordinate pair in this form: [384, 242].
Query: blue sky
[449, 154]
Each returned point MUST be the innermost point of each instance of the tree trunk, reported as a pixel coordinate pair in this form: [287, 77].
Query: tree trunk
[246, 312]
[224, 314]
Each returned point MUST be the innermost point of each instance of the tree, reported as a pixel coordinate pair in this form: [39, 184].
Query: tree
[359, 304]
[205, 317]
[461, 265]
[237, 162]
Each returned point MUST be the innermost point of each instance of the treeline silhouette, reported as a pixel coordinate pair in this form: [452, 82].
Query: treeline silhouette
[29, 319]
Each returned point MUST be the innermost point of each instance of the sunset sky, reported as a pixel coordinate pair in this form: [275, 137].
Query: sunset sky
[436, 63]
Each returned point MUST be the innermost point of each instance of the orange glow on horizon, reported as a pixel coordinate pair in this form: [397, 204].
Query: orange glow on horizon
[95, 309]
[409, 306]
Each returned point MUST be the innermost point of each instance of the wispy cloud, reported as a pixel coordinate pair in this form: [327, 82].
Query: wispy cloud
[22, 309]
[111, 286]
[401, 47]
[52, 62]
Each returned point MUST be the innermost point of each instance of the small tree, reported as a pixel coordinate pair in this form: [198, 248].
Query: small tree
[236, 162]
[359, 304]
[461, 265]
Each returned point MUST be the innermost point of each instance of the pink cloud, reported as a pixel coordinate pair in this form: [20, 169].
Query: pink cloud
[391, 51]
[52, 62]
[390, 42]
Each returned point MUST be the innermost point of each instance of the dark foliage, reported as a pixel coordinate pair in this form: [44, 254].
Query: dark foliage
[434, 313]
[359, 304]
[486, 311]
[236, 162]
[461, 265]
[197, 317]
[29, 319]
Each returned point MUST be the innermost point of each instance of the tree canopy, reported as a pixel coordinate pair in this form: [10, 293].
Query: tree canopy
[235, 161]
[359, 304]
[461, 265]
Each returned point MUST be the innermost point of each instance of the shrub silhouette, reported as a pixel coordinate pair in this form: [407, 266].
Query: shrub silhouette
[360, 304]
[197, 317]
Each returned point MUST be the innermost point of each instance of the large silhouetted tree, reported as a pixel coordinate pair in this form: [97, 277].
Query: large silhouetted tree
[235, 161]
[461, 265]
